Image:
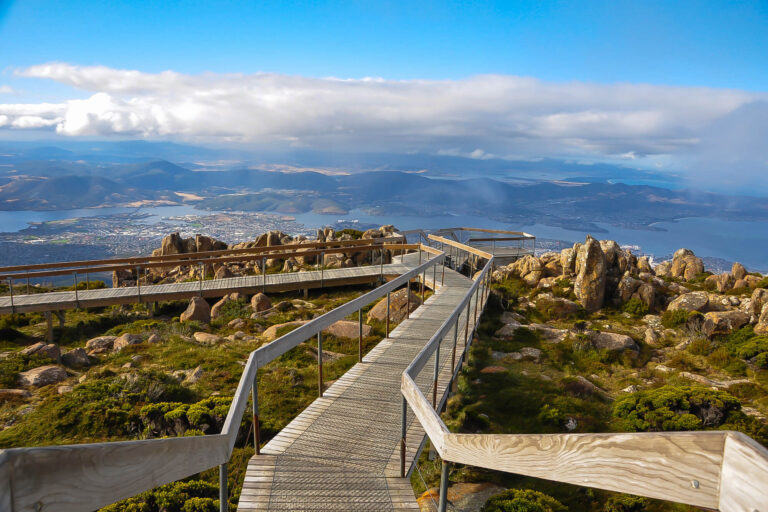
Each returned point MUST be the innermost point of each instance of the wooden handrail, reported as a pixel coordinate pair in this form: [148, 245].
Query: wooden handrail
[722, 470]
[463, 247]
[89, 476]
[276, 252]
[497, 231]
[141, 260]
[503, 239]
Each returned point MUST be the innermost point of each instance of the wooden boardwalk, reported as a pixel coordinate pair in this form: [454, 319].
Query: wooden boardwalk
[342, 452]
[56, 301]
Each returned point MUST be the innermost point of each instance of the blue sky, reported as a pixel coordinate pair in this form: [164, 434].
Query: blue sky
[717, 44]
[675, 85]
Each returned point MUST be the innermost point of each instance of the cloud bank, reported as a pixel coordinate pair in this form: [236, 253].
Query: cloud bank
[481, 116]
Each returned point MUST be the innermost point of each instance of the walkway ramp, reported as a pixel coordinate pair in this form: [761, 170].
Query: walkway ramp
[271, 283]
[343, 451]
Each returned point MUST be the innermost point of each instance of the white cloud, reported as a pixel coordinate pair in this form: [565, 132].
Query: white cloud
[6, 89]
[503, 115]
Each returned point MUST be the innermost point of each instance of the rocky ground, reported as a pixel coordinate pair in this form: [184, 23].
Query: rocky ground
[175, 244]
[592, 339]
[125, 373]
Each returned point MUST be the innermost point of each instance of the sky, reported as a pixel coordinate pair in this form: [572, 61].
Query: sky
[671, 85]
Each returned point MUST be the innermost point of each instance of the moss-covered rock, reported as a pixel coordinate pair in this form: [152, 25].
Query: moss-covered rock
[522, 500]
[675, 408]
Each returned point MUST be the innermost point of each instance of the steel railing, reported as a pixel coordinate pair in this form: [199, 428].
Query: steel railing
[89, 476]
[722, 470]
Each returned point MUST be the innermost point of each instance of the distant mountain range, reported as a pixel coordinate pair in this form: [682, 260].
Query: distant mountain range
[565, 195]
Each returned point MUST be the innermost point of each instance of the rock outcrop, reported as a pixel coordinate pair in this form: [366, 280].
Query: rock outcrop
[274, 331]
[694, 301]
[761, 325]
[216, 309]
[613, 341]
[723, 322]
[207, 338]
[397, 307]
[42, 376]
[76, 358]
[126, 340]
[348, 329]
[260, 302]
[174, 244]
[685, 264]
[589, 285]
[99, 345]
[197, 311]
[51, 351]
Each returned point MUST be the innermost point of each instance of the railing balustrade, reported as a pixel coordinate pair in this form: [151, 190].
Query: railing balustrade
[722, 470]
[89, 476]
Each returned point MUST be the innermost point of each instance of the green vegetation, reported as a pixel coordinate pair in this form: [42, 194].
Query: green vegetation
[625, 503]
[675, 318]
[570, 386]
[675, 408]
[138, 392]
[522, 500]
[15, 363]
[744, 344]
[635, 307]
[106, 408]
[188, 496]
[573, 387]
[354, 233]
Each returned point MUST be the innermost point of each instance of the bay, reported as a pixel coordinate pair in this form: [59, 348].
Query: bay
[744, 241]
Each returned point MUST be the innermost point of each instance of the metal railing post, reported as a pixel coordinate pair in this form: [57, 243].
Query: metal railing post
[223, 494]
[434, 379]
[320, 365]
[434, 276]
[138, 284]
[322, 269]
[359, 335]
[201, 279]
[477, 300]
[423, 285]
[28, 293]
[493, 247]
[419, 254]
[466, 326]
[443, 503]
[263, 275]
[453, 355]
[77, 298]
[408, 299]
[381, 263]
[403, 431]
[388, 306]
[442, 277]
[455, 343]
[10, 288]
[255, 400]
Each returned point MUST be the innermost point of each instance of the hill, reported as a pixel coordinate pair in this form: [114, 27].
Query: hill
[66, 192]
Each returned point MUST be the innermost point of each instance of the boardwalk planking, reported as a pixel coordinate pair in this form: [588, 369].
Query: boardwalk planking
[342, 452]
[55, 301]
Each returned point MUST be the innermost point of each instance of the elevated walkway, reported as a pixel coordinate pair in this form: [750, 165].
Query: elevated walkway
[353, 447]
[343, 451]
[271, 283]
